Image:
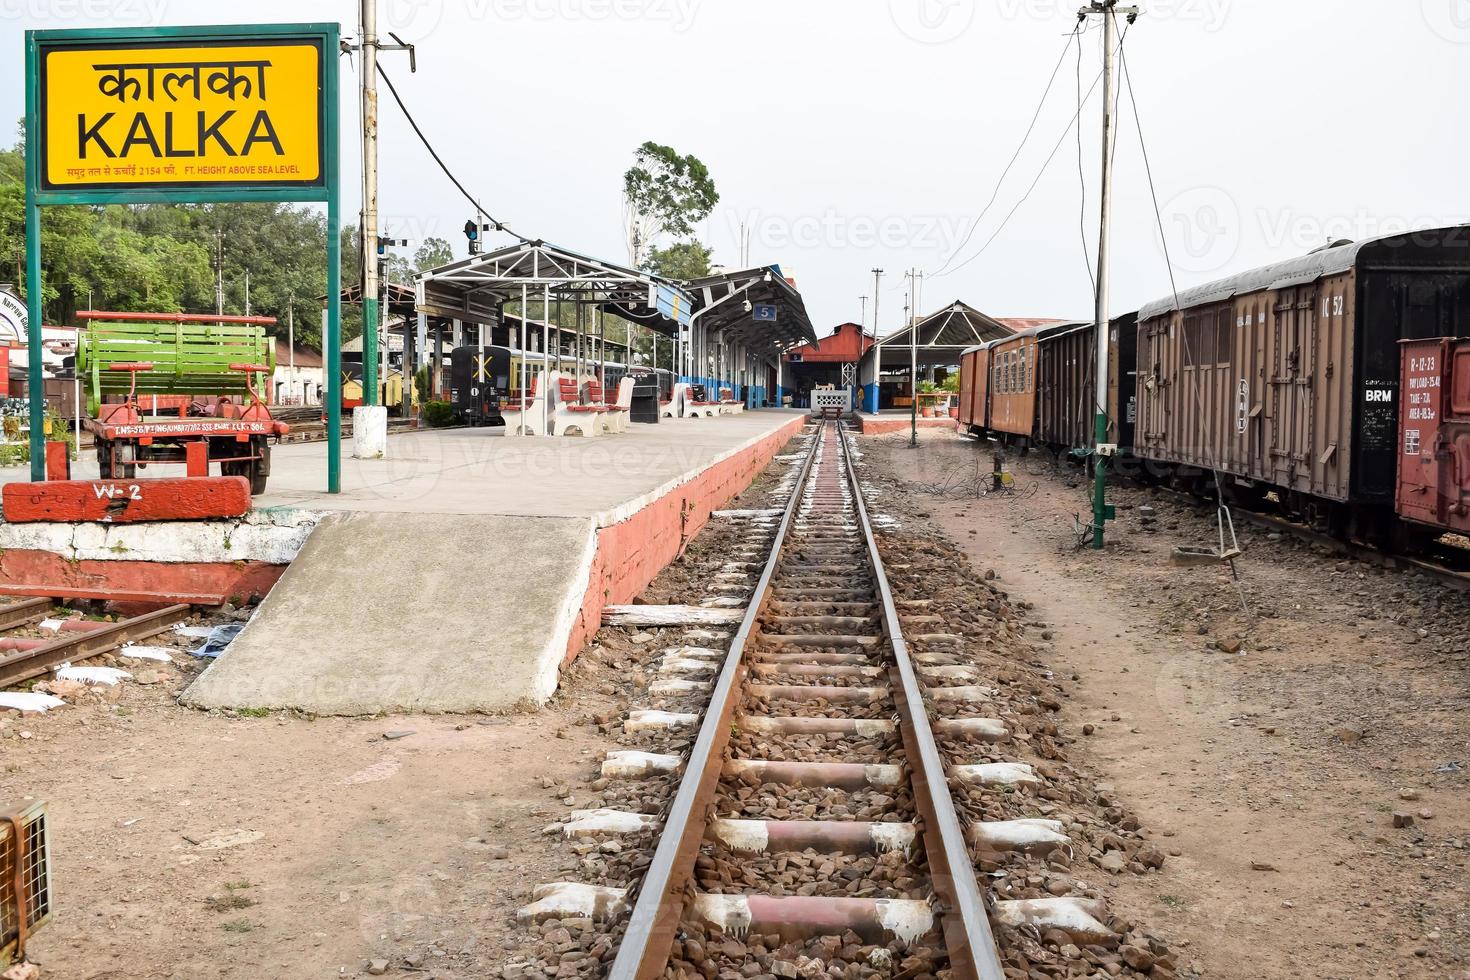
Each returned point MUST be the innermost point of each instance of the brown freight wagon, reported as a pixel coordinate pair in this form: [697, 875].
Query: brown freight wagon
[1286, 378]
[975, 390]
[1013, 387]
[1066, 371]
[1434, 435]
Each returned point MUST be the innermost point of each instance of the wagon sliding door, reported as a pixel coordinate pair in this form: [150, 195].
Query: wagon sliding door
[1289, 399]
[1154, 370]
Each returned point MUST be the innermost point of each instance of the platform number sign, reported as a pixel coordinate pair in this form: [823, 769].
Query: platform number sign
[183, 115]
[763, 313]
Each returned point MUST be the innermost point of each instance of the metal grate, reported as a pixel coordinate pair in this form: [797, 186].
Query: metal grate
[31, 854]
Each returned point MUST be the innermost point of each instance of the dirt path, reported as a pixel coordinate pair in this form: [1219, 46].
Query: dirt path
[1345, 704]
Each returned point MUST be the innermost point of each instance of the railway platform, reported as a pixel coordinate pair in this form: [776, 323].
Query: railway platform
[462, 572]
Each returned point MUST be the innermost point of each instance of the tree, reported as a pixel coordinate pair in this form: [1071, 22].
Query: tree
[433, 253]
[664, 194]
[682, 260]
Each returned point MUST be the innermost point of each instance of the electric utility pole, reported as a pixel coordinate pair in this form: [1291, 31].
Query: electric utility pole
[863, 316]
[912, 315]
[877, 355]
[1101, 512]
[368, 44]
[368, 231]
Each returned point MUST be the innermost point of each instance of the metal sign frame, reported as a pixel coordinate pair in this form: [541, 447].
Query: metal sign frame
[326, 191]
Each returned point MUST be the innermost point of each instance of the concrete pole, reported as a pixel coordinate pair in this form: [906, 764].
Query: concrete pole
[1108, 9]
[872, 406]
[369, 230]
[913, 357]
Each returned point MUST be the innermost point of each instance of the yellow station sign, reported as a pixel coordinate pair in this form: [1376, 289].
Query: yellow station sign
[173, 115]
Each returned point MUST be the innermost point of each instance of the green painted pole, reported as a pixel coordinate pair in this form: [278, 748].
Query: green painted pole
[370, 346]
[1099, 482]
[35, 381]
[332, 340]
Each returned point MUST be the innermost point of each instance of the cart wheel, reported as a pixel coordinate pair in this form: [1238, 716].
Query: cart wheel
[260, 471]
[129, 470]
[104, 459]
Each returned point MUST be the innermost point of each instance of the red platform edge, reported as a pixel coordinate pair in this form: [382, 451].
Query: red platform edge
[632, 552]
[127, 501]
[25, 572]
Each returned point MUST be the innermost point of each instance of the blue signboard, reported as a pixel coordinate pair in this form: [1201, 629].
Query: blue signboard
[673, 304]
[763, 313]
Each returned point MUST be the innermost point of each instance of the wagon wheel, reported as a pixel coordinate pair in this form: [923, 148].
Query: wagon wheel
[107, 469]
[259, 469]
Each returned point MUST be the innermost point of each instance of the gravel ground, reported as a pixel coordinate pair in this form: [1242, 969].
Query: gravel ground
[1302, 771]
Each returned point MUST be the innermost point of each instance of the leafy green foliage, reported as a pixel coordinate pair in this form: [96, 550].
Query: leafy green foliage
[433, 253]
[438, 414]
[665, 194]
[682, 260]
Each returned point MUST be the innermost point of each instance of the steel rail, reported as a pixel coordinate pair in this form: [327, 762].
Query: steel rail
[24, 613]
[966, 923]
[644, 950]
[25, 664]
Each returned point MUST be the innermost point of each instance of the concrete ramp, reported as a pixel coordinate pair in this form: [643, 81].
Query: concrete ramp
[412, 613]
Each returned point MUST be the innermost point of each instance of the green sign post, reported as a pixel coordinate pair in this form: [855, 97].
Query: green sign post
[183, 114]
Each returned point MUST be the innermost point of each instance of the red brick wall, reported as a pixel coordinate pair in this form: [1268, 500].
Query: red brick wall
[877, 426]
[631, 553]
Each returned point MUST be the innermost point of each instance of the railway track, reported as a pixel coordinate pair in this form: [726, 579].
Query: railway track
[29, 651]
[828, 782]
[818, 714]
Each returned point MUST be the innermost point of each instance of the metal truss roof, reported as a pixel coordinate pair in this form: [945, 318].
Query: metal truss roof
[954, 328]
[724, 296]
[474, 288]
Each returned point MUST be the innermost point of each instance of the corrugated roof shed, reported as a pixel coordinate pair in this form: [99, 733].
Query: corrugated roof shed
[844, 345]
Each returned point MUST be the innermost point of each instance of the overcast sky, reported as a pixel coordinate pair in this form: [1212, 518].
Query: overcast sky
[849, 134]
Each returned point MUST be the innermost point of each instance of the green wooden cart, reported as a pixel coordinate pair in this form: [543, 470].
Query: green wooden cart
[178, 388]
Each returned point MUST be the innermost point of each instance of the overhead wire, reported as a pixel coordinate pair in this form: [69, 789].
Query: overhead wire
[479, 208]
[1040, 173]
[1014, 157]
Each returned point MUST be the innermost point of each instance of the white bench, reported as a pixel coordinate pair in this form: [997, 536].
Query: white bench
[571, 415]
[620, 417]
[525, 418]
[674, 407]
